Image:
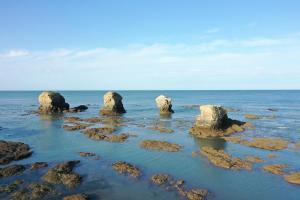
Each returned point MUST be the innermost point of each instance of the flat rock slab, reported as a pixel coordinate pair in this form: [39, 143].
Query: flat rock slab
[293, 178]
[10, 151]
[275, 168]
[160, 145]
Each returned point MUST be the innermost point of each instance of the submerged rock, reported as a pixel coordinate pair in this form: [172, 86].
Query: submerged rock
[80, 108]
[52, 102]
[76, 197]
[166, 181]
[164, 104]
[86, 154]
[74, 127]
[160, 145]
[251, 116]
[221, 159]
[275, 168]
[63, 174]
[38, 165]
[11, 170]
[160, 128]
[10, 151]
[105, 133]
[214, 122]
[34, 191]
[126, 168]
[254, 159]
[112, 104]
[9, 188]
[293, 177]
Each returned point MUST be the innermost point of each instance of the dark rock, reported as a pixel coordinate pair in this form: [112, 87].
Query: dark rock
[38, 165]
[10, 151]
[11, 170]
[80, 108]
[76, 197]
[52, 102]
[160, 145]
[112, 104]
[9, 188]
[34, 191]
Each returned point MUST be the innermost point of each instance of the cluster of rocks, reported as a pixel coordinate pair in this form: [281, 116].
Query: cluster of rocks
[214, 122]
[160, 145]
[167, 182]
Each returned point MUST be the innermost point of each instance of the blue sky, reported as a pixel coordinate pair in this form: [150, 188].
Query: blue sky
[192, 44]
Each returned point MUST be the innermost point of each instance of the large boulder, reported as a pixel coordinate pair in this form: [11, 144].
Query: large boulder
[12, 151]
[52, 102]
[112, 104]
[214, 122]
[164, 104]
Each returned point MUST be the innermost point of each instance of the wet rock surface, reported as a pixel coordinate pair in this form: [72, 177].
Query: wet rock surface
[86, 154]
[38, 165]
[164, 105]
[74, 127]
[220, 158]
[76, 197]
[112, 104]
[105, 133]
[167, 182]
[160, 145]
[11, 170]
[63, 174]
[214, 122]
[52, 102]
[34, 191]
[10, 151]
[251, 116]
[9, 188]
[126, 168]
[275, 168]
[293, 178]
[254, 159]
[160, 128]
[271, 144]
[80, 108]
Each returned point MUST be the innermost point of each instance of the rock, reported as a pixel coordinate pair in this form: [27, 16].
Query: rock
[272, 109]
[160, 179]
[160, 145]
[62, 174]
[11, 170]
[254, 159]
[86, 154]
[275, 168]
[52, 102]
[271, 155]
[72, 119]
[38, 165]
[34, 191]
[196, 194]
[221, 159]
[231, 110]
[271, 144]
[10, 151]
[250, 116]
[105, 133]
[214, 122]
[126, 168]
[161, 129]
[164, 104]
[112, 104]
[80, 108]
[297, 145]
[9, 188]
[293, 177]
[77, 126]
[76, 197]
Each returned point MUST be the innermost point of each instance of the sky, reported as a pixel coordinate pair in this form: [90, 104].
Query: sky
[149, 45]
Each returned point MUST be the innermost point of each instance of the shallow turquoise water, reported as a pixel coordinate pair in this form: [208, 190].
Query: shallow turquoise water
[52, 144]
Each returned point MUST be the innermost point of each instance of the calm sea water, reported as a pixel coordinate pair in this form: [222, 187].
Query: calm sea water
[53, 144]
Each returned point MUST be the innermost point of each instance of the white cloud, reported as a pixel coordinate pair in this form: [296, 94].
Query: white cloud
[14, 54]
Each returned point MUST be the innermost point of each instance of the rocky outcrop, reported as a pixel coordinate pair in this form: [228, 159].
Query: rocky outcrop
[52, 102]
[164, 104]
[275, 168]
[76, 197]
[63, 174]
[112, 104]
[106, 134]
[10, 151]
[38, 165]
[126, 168]
[160, 145]
[214, 122]
[293, 178]
[11, 170]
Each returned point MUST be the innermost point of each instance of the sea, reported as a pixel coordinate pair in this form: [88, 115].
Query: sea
[52, 144]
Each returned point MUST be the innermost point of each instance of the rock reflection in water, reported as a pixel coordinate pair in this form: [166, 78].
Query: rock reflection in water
[216, 143]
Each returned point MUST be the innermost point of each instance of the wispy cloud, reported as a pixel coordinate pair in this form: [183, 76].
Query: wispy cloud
[213, 30]
[14, 54]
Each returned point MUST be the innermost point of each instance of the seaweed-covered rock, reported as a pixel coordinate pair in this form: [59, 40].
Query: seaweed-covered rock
[160, 179]
[196, 194]
[11, 170]
[221, 159]
[10, 151]
[9, 188]
[74, 127]
[76, 197]
[34, 191]
[52, 102]
[214, 122]
[112, 104]
[80, 108]
[164, 104]
[160, 145]
[275, 168]
[105, 133]
[126, 168]
[63, 174]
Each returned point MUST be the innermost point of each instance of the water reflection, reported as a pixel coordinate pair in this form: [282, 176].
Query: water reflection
[216, 143]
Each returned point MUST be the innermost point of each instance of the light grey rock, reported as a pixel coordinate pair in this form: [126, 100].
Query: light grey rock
[112, 104]
[164, 104]
[52, 102]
